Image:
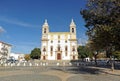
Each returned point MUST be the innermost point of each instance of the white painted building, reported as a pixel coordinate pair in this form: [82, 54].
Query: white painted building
[5, 50]
[59, 45]
[17, 56]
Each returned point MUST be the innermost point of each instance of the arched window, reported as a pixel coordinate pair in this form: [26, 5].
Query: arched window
[44, 30]
[73, 49]
[65, 41]
[51, 41]
[72, 30]
[58, 41]
[44, 49]
[51, 48]
[66, 48]
[58, 48]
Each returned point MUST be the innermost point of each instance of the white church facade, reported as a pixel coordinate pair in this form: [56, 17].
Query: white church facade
[59, 45]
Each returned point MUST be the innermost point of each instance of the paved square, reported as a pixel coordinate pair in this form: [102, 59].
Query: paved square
[52, 73]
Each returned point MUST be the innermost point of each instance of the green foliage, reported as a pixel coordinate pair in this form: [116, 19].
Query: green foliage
[117, 54]
[102, 19]
[27, 57]
[83, 52]
[35, 53]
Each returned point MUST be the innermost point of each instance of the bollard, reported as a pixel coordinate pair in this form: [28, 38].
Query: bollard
[77, 64]
[11, 65]
[37, 65]
[24, 64]
[18, 64]
[5, 64]
[70, 64]
[46, 64]
[41, 64]
[58, 64]
[8, 64]
[30, 64]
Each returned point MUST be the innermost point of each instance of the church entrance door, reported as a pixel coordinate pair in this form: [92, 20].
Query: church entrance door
[58, 56]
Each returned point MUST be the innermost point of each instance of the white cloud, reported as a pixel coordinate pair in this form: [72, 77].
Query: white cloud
[2, 30]
[17, 22]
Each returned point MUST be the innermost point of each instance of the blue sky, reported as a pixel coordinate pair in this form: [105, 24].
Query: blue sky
[21, 21]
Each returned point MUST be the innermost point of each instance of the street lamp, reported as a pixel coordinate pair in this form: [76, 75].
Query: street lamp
[95, 55]
[111, 50]
[112, 63]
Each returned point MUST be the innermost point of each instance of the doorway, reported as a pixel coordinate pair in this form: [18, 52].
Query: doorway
[73, 57]
[58, 56]
[44, 58]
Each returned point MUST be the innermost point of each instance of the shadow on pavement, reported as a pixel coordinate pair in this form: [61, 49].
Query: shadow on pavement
[85, 70]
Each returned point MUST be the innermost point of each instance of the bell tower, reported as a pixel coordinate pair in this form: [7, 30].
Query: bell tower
[45, 30]
[72, 27]
[73, 41]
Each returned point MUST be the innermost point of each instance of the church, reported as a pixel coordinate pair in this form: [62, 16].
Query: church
[59, 45]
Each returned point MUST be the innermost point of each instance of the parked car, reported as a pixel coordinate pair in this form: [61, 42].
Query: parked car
[10, 61]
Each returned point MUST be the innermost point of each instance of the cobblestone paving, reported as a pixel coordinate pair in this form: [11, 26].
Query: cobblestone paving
[88, 77]
[57, 74]
[30, 77]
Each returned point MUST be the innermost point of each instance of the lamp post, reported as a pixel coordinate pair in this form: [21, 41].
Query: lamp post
[95, 55]
[112, 58]
[112, 63]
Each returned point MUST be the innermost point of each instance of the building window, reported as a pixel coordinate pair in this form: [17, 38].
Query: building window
[2, 44]
[51, 48]
[65, 41]
[66, 48]
[44, 49]
[73, 49]
[44, 30]
[58, 48]
[72, 30]
[58, 41]
[73, 57]
[51, 41]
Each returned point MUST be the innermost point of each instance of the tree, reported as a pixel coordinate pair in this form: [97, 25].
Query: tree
[94, 47]
[102, 21]
[103, 24]
[83, 52]
[35, 53]
[27, 57]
